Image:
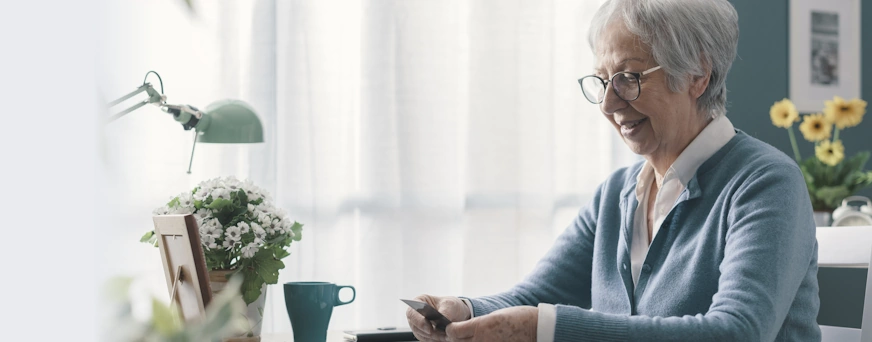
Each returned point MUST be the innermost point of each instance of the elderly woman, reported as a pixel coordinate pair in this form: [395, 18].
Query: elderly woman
[709, 238]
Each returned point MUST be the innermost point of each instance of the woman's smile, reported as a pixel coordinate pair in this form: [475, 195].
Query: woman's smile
[631, 128]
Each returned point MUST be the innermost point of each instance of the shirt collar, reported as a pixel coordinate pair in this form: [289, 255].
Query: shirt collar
[712, 138]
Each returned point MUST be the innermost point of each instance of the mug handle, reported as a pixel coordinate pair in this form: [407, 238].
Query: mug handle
[339, 301]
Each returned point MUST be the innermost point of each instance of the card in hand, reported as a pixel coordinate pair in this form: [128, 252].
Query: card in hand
[429, 313]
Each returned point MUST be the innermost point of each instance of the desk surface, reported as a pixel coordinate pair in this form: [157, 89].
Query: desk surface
[332, 336]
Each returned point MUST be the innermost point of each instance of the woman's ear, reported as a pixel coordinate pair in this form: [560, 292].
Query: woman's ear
[699, 84]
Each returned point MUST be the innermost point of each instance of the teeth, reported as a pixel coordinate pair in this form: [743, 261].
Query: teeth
[635, 124]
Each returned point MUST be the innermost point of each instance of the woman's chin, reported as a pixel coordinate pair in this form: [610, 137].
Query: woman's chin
[638, 144]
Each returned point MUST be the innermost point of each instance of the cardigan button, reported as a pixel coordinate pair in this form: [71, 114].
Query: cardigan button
[625, 266]
[646, 268]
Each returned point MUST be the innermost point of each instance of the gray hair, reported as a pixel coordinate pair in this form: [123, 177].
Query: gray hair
[687, 37]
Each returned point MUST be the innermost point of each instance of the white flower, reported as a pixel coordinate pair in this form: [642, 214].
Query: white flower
[207, 239]
[220, 193]
[243, 227]
[259, 233]
[186, 200]
[280, 212]
[200, 223]
[232, 183]
[268, 208]
[212, 246]
[251, 207]
[202, 193]
[227, 244]
[161, 211]
[180, 211]
[258, 230]
[249, 251]
[203, 213]
[212, 222]
[209, 185]
[233, 234]
[264, 219]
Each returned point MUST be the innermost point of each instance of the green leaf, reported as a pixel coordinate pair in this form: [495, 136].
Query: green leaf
[251, 286]
[297, 228]
[240, 198]
[269, 270]
[280, 253]
[220, 204]
[147, 236]
[267, 266]
[832, 196]
[174, 202]
[166, 319]
[222, 209]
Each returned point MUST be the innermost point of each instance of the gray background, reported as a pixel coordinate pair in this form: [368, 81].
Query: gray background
[760, 76]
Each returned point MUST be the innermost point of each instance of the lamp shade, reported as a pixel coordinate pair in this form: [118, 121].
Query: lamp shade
[229, 122]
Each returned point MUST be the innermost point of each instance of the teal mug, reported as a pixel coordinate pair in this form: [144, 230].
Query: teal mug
[310, 305]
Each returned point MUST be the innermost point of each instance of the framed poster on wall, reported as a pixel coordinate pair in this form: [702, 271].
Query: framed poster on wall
[824, 52]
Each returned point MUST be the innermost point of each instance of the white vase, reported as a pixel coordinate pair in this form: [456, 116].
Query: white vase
[823, 218]
[254, 311]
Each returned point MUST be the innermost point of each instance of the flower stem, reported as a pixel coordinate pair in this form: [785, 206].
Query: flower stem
[793, 143]
[836, 135]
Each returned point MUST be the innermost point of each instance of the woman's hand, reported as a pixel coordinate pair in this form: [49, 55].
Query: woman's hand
[514, 324]
[452, 308]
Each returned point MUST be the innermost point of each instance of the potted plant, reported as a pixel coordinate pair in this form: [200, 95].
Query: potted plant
[241, 232]
[829, 176]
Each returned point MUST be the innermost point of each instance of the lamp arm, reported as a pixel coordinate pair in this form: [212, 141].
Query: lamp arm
[189, 116]
[153, 97]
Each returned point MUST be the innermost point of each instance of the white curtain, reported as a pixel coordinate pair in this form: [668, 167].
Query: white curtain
[428, 146]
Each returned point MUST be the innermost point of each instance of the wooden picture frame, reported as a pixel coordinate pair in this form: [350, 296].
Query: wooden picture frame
[184, 264]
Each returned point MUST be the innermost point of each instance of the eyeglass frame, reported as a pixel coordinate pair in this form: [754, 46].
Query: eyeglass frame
[637, 75]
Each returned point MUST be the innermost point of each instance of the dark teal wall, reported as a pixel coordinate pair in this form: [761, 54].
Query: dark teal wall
[759, 76]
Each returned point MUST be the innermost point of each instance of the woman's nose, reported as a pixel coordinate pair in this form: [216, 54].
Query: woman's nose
[611, 101]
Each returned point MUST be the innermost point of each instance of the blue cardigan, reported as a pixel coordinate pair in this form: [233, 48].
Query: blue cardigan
[735, 260]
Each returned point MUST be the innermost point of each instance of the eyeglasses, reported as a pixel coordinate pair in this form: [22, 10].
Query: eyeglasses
[625, 84]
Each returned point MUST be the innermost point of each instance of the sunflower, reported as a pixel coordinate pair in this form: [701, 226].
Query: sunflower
[830, 153]
[845, 113]
[783, 113]
[815, 127]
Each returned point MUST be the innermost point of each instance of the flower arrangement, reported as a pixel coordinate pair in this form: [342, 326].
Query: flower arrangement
[829, 176]
[240, 230]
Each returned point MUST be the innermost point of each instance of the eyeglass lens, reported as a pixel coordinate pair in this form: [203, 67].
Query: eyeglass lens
[626, 86]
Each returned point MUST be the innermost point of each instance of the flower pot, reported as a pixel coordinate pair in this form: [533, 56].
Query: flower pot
[823, 218]
[254, 312]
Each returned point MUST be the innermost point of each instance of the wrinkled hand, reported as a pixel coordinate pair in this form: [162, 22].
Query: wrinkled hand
[514, 324]
[452, 308]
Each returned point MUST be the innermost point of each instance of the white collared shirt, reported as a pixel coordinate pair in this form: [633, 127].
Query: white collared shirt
[712, 138]
[715, 135]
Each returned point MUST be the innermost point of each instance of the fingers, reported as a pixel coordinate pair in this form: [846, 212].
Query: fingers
[461, 331]
[423, 329]
[454, 309]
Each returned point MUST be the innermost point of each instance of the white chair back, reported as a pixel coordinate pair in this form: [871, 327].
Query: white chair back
[846, 248]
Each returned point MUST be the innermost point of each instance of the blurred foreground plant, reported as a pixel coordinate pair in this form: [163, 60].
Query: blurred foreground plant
[225, 317]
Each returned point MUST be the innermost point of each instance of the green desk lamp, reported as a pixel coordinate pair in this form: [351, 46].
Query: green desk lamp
[222, 122]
